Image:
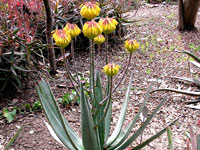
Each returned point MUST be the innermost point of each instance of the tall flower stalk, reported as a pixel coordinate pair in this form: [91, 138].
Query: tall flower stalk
[68, 73]
[108, 25]
[110, 70]
[62, 39]
[92, 71]
[73, 31]
[99, 40]
[130, 46]
[91, 29]
[106, 48]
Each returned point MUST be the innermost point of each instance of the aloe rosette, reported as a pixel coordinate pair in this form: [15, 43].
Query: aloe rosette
[94, 133]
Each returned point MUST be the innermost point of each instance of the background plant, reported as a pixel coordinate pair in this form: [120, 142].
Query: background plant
[195, 81]
[193, 140]
[18, 33]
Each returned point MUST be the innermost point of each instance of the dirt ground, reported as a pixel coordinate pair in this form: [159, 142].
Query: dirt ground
[156, 62]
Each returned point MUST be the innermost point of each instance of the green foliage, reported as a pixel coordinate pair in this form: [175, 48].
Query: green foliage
[148, 71]
[170, 140]
[12, 140]
[36, 105]
[15, 59]
[60, 126]
[68, 98]
[93, 126]
[9, 115]
[193, 47]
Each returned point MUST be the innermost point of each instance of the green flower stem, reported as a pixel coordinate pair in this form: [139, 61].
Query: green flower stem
[74, 60]
[67, 70]
[98, 56]
[128, 64]
[106, 46]
[108, 104]
[92, 73]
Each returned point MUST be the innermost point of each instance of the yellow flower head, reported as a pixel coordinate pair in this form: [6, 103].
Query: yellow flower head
[91, 29]
[111, 69]
[108, 24]
[72, 29]
[61, 38]
[90, 10]
[99, 39]
[131, 45]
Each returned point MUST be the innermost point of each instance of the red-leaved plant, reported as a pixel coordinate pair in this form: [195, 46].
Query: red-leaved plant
[21, 14]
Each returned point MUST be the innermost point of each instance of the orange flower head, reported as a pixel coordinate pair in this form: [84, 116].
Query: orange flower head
[61, 38]
[108, 24]
[111, 69]
[72, 29]
[131, 45]
[91, 29]
[99, 39]
[90, 10]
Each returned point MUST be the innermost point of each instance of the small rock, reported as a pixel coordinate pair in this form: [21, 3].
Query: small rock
[31, 132]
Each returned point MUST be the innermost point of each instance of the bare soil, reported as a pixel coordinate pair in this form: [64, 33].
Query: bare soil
[156, 62]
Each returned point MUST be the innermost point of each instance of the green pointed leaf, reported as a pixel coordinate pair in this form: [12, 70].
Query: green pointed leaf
[10, 116]
[141, 129]
[109, 113]
[154, 136]
[53, 134]
[12, 56]
[99, 111]
[198, 142]
[63, 131]
[178, 91]
[170, 140]
[191, 55]
[87, 125]
[13, 139]
[122, 116]
[130, 126]
[15, 32]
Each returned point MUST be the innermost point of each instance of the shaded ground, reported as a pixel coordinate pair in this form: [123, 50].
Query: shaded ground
[155, 63]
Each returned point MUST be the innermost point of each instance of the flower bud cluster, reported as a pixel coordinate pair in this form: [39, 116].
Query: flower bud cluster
[93, 30]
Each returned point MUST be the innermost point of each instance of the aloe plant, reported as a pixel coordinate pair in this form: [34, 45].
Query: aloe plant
[96, 107]
[94, 132]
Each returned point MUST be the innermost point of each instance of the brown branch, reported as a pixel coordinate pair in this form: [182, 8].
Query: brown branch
[49, 24]
[181, 23]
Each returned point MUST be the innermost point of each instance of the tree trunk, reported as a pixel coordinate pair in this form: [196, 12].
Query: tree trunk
[187, 12]
[180, 15]
[49, 22]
